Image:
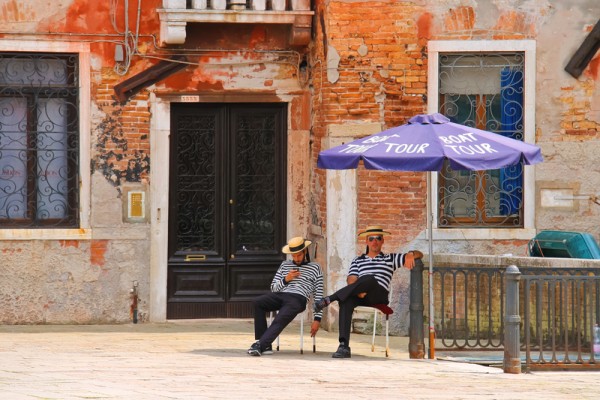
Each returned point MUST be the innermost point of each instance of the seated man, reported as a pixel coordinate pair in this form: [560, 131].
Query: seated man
[369, 279]
[294, 282]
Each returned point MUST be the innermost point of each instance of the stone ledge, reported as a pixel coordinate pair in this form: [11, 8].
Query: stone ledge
[174, 21]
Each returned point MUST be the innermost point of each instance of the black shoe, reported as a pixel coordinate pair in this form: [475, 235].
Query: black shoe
[254, 350]
[321, 304]
[267, 351]
[343, 351]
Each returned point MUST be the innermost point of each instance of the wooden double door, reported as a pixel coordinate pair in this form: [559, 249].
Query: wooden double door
[227, 208]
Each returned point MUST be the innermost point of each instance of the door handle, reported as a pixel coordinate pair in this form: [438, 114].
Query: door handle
[195, 257]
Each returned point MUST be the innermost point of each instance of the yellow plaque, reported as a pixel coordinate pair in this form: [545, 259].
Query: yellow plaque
[136, 206]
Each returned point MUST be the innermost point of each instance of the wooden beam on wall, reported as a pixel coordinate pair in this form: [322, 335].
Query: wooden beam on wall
[585, 52]
[163, 69]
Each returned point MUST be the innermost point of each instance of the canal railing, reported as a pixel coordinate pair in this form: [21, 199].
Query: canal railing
[557, 307]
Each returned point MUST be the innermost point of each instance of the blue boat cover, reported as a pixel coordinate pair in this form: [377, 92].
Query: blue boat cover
[564, 244]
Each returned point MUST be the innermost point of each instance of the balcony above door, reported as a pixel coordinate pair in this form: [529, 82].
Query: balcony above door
[176, 14]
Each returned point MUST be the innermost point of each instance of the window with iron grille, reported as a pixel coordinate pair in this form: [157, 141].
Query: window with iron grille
[39, 140]
[486, 91]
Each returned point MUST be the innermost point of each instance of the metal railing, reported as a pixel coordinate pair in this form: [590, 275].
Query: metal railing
[556, 309]
[469, 307]
[560, 312]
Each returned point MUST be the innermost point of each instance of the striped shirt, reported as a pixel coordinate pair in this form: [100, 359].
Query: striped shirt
[382, 267]
[309, 282]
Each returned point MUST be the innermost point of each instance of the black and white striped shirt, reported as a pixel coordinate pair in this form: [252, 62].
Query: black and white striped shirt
[309, 282]
[382, 267]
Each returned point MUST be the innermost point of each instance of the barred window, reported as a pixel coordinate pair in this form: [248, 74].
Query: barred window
[485, 91]
[39, 140]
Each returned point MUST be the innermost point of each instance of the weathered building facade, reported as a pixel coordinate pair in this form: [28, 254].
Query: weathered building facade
[171, 145]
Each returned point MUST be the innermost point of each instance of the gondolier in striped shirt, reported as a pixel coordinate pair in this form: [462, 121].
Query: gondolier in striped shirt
[369, 279]
[294, 283]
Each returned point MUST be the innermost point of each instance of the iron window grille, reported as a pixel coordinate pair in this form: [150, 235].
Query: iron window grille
[39, 140]
[485, 91]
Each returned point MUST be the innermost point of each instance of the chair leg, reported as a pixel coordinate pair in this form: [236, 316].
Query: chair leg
[374, 331]
[302, 334]
[387, 336]
[270, 321]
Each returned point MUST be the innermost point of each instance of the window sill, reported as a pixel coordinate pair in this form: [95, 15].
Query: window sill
[484, 234]
[45, 234]
[133, 232]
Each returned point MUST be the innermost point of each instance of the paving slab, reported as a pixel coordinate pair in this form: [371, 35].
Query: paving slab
[206, 359]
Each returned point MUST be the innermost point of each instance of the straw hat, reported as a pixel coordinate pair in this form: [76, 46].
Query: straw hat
[373, 230]
[295, 245]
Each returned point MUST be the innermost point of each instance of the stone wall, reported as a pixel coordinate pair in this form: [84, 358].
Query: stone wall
[87, 278]
[374, 70]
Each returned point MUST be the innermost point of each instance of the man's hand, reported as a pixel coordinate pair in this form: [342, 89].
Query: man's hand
[410, 257]
[293, 274]
[314, 327]
[418, 255]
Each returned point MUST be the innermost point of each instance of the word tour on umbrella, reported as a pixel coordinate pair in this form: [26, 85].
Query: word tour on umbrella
[454, 141]
[406, 148]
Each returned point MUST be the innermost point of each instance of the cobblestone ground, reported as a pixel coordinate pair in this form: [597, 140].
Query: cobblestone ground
[206, 359]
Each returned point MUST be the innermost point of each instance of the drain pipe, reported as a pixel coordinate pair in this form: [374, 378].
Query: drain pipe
[133, 311]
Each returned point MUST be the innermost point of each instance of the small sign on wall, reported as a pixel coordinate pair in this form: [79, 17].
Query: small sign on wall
[190, 99]
[136, 205]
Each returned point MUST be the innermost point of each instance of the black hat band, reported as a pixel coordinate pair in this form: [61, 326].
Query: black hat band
[296, 248]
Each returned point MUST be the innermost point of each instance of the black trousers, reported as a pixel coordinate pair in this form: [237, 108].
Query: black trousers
[348, 301]
[288, 306]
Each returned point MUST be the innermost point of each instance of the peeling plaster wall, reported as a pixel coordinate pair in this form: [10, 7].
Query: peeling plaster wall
[568, 118]
[89, 280]
[54, 282]
[25, 15]
[78, 281]
[376, 78]
[85, 280]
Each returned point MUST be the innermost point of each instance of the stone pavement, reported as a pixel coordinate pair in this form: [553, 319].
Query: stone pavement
[206, 359]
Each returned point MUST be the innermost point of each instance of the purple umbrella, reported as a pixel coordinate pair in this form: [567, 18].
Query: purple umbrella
[423, 144]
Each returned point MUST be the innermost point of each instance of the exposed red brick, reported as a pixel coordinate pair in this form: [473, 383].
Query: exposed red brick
[513, 22]
[579, 132]
[593, 68]
[69, 243]
[98, 251]
[424, 26]
[460, 19]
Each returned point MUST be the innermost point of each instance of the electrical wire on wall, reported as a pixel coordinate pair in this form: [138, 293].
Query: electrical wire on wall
[127, 45]
[130, 42]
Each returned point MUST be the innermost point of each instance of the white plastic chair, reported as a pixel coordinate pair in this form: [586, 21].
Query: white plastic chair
[302, 316]
[386, 311]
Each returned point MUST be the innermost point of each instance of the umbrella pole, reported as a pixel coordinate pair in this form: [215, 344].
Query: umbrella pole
[430, 280]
